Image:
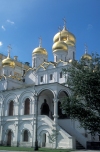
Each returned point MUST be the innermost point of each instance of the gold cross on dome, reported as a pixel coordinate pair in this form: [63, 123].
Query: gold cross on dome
[86, 48]
[64, 22]
[40, 41]
[9, 49]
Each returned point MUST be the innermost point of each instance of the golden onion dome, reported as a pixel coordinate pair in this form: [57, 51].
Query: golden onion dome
[8, 62]
[40, 50]
[64, 33]
[70, 43]
[60, 45]
[86, 56]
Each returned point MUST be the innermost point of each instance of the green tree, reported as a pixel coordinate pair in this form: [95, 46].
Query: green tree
[84, 83]
[53, 136]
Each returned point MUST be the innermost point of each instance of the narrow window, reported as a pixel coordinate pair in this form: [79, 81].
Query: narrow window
[41, 78]
[60, 74]
[51, 77]
[73, 55]
[27, 107]
[11, 108]
[23, 72]
[56, 58]
[25, 135]
[34, 62]
[65, 58]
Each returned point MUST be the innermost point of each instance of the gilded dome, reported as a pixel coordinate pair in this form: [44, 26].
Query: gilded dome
[60, 45]
[40, 50]
[8, 62]
[64, 34]
[86, 56]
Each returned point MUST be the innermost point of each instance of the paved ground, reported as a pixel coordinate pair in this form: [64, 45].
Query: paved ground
[41, 151]
[51, 150]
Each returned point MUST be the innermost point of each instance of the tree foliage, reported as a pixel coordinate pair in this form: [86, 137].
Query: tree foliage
[84, 84]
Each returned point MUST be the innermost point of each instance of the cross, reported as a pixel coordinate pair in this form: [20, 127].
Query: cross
[9, 49]
[64, 22]
[40, 41]
[86, 48]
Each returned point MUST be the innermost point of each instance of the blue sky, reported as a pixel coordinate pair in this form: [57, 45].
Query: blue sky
[22, 22]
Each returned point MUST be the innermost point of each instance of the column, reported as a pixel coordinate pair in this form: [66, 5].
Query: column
[55, 119]
[55, 111]
[35, 121]
[1, 128]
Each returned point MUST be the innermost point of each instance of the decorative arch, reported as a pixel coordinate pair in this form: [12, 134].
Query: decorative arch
[9, 136]
[25, 135]
[62, 94]
[44, 137]
[44, 89]
[26, 94]
[22, 98]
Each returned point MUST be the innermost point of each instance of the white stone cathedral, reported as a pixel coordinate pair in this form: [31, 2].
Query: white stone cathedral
[30, 98]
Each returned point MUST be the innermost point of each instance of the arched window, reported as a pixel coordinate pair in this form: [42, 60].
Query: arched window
[25, 135]
[11, 108]
[60, 74]
[27, 107]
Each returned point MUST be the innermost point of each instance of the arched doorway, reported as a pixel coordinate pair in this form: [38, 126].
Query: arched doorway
[44, 140]
[62, 96]
[9, 138]
[25, 136]
[45, 108]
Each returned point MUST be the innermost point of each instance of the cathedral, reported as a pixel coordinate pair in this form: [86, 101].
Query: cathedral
[30, 98]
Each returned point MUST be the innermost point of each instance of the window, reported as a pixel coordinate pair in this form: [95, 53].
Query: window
[65, 58]
[25, 135]
[11, 108]
[51, 76]
[56, 58]
[60, 74]
[41, 78]
[23, 72]
[34, 62]
[73, 55]
[27, 107]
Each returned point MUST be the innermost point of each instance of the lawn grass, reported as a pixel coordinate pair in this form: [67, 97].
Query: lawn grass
[32, 149]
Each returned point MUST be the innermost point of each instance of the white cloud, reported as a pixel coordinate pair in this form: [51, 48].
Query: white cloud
[89, 27]
[11, 22]
[3, 27]
[1, 43]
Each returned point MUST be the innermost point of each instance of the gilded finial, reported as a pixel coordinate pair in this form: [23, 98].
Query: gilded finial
[40, 41]
[64, 23]
[86, 48]
[9, 49]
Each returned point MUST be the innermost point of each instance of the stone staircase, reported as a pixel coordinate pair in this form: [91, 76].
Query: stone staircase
[79, 146]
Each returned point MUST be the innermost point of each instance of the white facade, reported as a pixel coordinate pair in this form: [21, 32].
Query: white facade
[40, 93]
